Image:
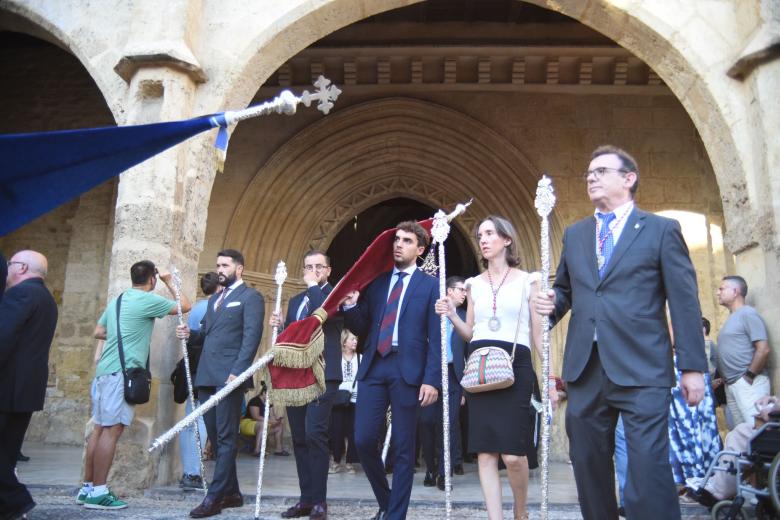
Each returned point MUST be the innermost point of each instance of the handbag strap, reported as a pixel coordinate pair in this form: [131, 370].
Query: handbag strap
[119, 335]
[520, 314]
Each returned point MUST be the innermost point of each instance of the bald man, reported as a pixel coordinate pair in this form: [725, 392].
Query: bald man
[29, 316]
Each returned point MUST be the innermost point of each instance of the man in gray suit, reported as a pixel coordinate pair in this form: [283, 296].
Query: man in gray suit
[230, 334]
[618, 270]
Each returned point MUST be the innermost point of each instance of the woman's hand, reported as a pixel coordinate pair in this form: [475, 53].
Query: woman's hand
[444, 307]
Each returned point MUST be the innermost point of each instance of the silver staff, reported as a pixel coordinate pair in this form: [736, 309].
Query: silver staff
[544, 203]
[280, 277]
[388, 435]
[440, 231]
[188, 372]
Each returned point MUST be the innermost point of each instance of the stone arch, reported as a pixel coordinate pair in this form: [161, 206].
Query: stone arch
[372, 152]
[17, 17]
[652, 38]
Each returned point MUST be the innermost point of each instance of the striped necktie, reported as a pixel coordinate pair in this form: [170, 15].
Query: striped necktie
[385, 342]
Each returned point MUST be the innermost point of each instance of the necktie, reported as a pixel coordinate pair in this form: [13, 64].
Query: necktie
[605, 243]
[387, 326]
[222, 297]
[304, 310]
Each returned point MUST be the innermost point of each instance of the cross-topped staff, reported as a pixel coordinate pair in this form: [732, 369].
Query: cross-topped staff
[188, 372]
[279, 277]
[324, 94]
[544, 203]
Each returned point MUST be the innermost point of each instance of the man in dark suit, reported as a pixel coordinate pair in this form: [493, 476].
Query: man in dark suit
[431, 434]
[618, 269]
[3, 274]
[309, 424]
[28, 317]
[400, 365]
[230, 334]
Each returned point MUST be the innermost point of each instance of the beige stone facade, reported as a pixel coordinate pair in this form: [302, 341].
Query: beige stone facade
[441, 102]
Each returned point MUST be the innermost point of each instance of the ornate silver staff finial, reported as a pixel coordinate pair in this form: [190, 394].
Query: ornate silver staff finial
[460, 209]
[544, 203]
[281, 274]
[441, 227]
[325, 93]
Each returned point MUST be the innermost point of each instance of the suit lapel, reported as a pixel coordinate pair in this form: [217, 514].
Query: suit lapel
[634, 226]
[234, 294]
[588, 237]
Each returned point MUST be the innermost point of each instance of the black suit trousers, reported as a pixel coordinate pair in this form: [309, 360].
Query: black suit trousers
[222, 428]
[594, 403]
[13, 494]
[310, 426]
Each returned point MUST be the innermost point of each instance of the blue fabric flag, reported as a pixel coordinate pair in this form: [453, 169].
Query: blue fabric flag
[44, 170]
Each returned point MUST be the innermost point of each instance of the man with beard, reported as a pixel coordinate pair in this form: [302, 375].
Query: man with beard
[309, 424]
[230, 334]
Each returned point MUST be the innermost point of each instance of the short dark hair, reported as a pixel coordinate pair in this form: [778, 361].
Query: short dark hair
[505, 230]
[410, 226]
[209, 283]
[706, 324]
[142, 271]
[314, 252]
[237, 257]
[739, 282]
[453, 280]
[626, 159]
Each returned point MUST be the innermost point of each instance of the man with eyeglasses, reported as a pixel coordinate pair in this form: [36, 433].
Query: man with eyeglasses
[310, 424]
[618, 270]
[28, 317]
[431, 416]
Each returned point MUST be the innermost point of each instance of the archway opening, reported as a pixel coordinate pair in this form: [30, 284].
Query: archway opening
[350, 242]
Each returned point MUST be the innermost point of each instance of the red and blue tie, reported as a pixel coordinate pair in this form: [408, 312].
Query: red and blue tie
[385, 342]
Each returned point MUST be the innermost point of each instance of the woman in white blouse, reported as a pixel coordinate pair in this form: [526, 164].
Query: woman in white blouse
[342, 426]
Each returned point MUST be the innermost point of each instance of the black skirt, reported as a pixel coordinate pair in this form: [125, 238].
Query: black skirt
[503, 421]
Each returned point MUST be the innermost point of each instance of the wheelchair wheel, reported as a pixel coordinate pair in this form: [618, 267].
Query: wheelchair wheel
[722, 510]
[773, 482]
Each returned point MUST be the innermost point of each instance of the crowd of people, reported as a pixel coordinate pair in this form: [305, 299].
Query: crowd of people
[641, 385]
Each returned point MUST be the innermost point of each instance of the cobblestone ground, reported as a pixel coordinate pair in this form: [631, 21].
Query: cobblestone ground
[56, 505]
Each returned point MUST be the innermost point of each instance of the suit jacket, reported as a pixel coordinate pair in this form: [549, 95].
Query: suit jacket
[28, 317]
[3, 274]
[649, 266]
[458, 348]
[230, 336]
[419, 333]
[331, 329]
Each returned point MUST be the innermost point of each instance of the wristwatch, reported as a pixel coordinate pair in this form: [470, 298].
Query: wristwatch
[750, 374]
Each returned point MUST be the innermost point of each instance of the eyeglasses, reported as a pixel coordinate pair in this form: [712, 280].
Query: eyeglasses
[15, 262]
[600, 172]
[318, 267]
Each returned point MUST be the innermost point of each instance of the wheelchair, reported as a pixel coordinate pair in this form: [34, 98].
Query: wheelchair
[757, 471]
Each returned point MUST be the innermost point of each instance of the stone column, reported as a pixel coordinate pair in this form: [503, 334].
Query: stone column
[159, 216]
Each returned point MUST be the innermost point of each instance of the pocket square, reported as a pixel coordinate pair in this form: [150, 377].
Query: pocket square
[233, 304]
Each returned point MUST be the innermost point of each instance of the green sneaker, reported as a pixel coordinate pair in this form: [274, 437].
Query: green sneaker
[81, 498]
[105, 501]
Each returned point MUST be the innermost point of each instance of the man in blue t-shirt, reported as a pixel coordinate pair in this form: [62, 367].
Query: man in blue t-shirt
[110, 412]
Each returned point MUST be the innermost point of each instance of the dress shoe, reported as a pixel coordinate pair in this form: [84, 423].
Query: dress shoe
[430, 479]
[234, 500]
[319, 512]
[298, 510]
[440, 482]
[380, 515]
[209, 507]
[458, 469]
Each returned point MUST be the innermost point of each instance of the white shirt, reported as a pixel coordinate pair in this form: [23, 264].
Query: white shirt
[393, 279]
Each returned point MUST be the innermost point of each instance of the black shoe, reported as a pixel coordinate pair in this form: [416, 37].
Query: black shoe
[430, 479]
[297, 511]
[234, 500]
[458, 469]
[440, 482]
[20, 513]
[21, 457]
[622, 511]
[209, 507]
[380, 515]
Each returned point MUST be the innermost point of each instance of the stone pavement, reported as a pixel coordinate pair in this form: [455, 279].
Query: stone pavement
[53, 475]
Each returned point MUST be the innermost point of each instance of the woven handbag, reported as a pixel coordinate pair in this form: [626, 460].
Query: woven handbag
[490, 368]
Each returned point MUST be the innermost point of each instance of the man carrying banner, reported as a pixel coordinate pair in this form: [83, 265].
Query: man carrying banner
[401, 364]
[310, 423]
